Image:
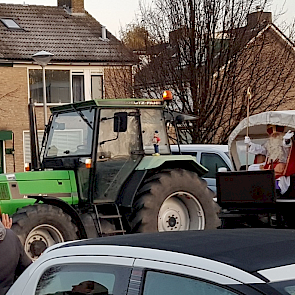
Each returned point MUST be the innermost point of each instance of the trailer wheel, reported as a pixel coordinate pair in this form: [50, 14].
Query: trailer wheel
[174, 200]
[41, 226]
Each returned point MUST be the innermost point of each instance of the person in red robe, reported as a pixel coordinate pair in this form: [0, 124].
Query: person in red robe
[279, 153]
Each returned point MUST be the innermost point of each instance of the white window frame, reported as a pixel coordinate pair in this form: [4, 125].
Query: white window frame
[4, 155]
[77, 73]
[90, 87]
[87, 71]
[27, 132]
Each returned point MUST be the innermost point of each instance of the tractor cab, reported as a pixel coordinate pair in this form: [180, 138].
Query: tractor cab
[103, 141]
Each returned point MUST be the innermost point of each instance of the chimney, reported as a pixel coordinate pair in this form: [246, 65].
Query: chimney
[75, 6]
[103, 32]
[258, 18]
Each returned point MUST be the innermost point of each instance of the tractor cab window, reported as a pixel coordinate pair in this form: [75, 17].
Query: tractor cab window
[118, 134]
[151, 121]
[70, 134]
[119, 150]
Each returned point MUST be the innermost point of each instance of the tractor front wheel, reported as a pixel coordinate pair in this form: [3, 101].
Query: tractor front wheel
[40, 226]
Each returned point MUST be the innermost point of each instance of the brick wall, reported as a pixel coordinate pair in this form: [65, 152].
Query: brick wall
[78, 6]
[14, 111]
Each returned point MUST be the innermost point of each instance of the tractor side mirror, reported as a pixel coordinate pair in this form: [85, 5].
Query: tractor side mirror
[120, 122]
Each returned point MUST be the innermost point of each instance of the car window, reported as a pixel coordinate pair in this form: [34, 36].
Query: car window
[157, 283]
[212, 162]
[286, 287]
[84, 279]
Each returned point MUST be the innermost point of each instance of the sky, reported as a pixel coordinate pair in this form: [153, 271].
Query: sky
[115, 14]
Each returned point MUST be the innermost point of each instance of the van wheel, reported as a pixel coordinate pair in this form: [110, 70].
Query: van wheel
[40, 226]
[174, 200]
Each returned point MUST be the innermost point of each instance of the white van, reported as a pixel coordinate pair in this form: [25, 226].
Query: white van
[211, 156]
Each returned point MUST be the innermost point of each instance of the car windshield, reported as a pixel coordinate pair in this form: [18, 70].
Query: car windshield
[70, 134]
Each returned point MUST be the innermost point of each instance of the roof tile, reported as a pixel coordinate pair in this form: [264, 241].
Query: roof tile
[68, 37]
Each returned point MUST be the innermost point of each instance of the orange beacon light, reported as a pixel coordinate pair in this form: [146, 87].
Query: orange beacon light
[167, 95]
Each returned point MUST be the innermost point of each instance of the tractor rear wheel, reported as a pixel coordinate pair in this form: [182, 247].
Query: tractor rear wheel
[40, 226]
[174, 200]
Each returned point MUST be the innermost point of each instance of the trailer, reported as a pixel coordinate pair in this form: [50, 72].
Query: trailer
[253, 197]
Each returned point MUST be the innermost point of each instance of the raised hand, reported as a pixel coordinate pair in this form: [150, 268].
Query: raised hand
[6, 220]
[288, 135]
[247, 140]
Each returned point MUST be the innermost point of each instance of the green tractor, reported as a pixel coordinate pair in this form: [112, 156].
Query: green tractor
[97, 174]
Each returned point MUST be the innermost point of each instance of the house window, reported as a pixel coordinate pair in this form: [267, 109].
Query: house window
[57, 86]
[27, 145]
[65, 86]
[10, 23]
[78, 88]
[96, 87]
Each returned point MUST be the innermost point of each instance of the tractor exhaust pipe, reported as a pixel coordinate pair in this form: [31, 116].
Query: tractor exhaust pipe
[35, 154]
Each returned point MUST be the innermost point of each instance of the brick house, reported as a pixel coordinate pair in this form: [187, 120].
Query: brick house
[266, 64]
[88, 63]
[260, 57]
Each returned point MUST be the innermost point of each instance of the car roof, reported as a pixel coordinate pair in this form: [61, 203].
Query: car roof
[200, 147]
[248, 249]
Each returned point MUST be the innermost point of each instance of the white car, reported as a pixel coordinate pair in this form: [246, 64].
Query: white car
[226, 262]
[211, 156]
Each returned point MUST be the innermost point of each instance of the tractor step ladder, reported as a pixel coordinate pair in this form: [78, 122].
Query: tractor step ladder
[113, 215]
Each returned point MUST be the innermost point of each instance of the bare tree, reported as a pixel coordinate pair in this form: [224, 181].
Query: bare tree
[211, 51]
[118, 81]
[136, 37]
